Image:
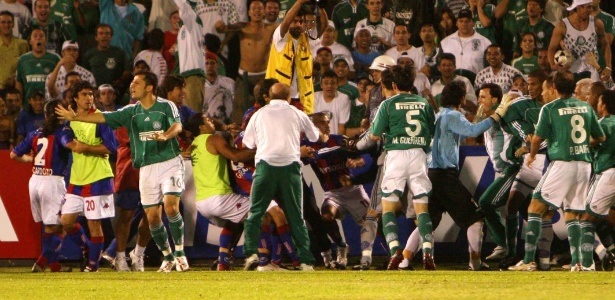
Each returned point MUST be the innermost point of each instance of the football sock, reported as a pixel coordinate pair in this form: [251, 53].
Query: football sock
[333, 230]
[544, 243]
[264, 244]
[176, 226]
[159, 235]
[226, 238]
[587, 243]
[368, 235]
[512, 228]
[425, 230]
[276, 249]
[574, 239]
[139, 250]
[97, 243]
[389, 228]
[77, 236]
[531, 236]
[287, 241]
[475, 238]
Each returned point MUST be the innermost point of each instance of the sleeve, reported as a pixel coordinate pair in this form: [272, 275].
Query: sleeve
[21, 128]
[311, 132]
[278, 40]
[596, 129]
[66, 136]
[119, 118]
[543, 128]
[173, 113]
[108, 137]
[380, 123]
[460, 125]
[233, 16]
[516, 125]
[249, 135]
[25, 146]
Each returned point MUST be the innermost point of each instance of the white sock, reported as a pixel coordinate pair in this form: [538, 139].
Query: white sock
[120, 255]
[139, 250]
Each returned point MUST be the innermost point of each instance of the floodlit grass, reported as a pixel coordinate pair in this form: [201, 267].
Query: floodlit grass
[18, 283]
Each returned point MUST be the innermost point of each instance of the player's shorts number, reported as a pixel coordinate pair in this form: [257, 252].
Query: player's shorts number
[39, 159]
[578, 133]
[90, 205]
[416, 123]
[178, 182]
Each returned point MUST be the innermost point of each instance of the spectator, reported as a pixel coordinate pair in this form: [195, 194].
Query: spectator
[519, 85]
[272, 11]
[32, 117]
[543, 60]
[56, 79]
[412, 14]
[153, 54]
[345, 16]
[218, 101]
[170, 41]
[467, 45]
[216, 17]
[535, 23]
[609, 27]
[446, 67]
[34, 66]
[363, 55]
[322, 64]
[7, 126]
[56, 32]
[140, 66]
[380, 29]
[66, 11]
[528, 61]
[497, 72]
[21, 14]
[127, 23]
[509, 10]
[447, 22]
[106, 94]
[13, 101]
[11, 48]
[334, 102]
[453, 5]
[430, 49]
[483, 18]
[69, 80]
[401, 35]
[338, 50]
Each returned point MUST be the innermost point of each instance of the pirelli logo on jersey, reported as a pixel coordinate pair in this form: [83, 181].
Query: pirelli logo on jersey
[148, 135]
[410, 105]
[572, 111]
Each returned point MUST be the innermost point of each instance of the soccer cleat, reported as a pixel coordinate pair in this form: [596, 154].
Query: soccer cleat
[181, 264]
[608, 261]
[307, 268]
[136, 262]
[108, 259]
[576, 268]
[223, 267]
[395, 260]
[270, 267]
[591, 268]
[327, 259]
[89, 269]
[521, 266]
[37, 269]
[121, 265]
[214, 265]
[167, 266]
[428, 263]
[567, 267]
[498, 253]
[85, 254]
[508, 261]
[364, 266]
[251, 263]
[483, 267]
[342, 257]
[405, 265]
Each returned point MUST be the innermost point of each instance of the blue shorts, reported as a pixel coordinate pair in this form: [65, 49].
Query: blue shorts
[128, 199]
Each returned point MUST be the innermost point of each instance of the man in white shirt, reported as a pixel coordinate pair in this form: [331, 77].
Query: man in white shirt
[21, 13]
[497, 72]
[55, 81]
[401, 35]
[380, 27]
[333, 101]
[275, 131]
[219, 91]
[328, 39]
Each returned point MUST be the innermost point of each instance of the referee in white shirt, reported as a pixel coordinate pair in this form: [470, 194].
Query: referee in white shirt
[275, 132]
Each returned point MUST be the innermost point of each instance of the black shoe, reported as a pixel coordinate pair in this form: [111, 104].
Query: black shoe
[214, 265]
[362, 267]
[608, 262]
[508, 261]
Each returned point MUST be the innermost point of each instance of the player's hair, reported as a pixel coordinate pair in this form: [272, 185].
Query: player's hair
[608, 98]
[564, 83]
[597, 88]
[264, 90]
[403, 77]
[71, 73]
[328, 74]
[453, 93]
[549, 79]
[541, 3]
[193, 124]
[78, 87]
[103, 25]
[52, 121]
[449, 56]
[538, 74]
[7, 13]
[150, 79]
[169, 84]
[494, 90]
[155, 39]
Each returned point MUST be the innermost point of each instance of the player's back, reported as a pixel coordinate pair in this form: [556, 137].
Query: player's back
[604, 157]
[50, 154]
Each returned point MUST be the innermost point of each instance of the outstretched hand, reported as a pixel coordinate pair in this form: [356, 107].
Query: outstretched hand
[65, 114]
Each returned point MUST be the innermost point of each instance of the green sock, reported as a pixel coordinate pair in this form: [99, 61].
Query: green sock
[389, 228]
[176, 225]
[587, 243]
[425, 230]
[159, 235]
[534, 224]
[574, 239]
[512, 228]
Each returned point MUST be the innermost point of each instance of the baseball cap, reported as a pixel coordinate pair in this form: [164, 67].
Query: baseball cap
[324, 49]
[69, 44]
[211, 55]
[36, 92]
[105, 87]
[577, 3]
[466, 13]
[340, 58]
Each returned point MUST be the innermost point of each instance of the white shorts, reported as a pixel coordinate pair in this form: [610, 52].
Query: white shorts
[221, 208]
[163, 178]
[352, 200]
[565, 182]
[46, 195]
[602, 193]
[405, 166]
[93, 207]
[530, 176]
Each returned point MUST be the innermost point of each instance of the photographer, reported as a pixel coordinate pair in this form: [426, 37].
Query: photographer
[290, 59]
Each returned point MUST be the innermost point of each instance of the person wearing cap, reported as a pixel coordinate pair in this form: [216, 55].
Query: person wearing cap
[535, 23]
[467, 45]
[11, 47]
[68, 63]
[322, 64]
[219, 91]
[497, 72]
[290, 59]
[338, 50]
[581, 34]
[363, 55]
[380, 29]
[401, 35]
[56, 31]
[106, 98]
[32, 117]
[34, 66]
[345, 16]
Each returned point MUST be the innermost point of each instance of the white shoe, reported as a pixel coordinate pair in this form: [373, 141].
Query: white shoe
[498, 253]
[121, 265]
[167, 266]
[270, 267]
[576, 268]
[342, 257]
[589, 269]
[251, 263]
[37, 269]
[520, 266]
[110, 260]
[306, 267]
[181, 264]
[136, 262]
[327, 259]
[567, 267]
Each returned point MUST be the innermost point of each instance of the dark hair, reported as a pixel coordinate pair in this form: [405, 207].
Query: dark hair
[78, 87]
[608, 98]
[538, 74]
[155, 39]
[403, 77]
[150, 79]
[71, 73]
[7, 13]
[35, 28]
[174, 12]
[541, 3]
[597, 88]
[193, 124]
[402, 25]
[103, 25]
[493, 46]
[52, 121]
[264, 90]
[169, 84]
[212, 42]
[453, 93]
[550, 79]
[494, 90]
[446, 55]
[320, 114]
[427, 24]
[564, 83]
[11, 90]
[276, 1]
[328, 74]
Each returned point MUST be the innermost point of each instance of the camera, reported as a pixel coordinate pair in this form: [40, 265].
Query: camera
[319, 3]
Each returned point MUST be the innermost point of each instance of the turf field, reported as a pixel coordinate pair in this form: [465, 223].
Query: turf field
[18, 283]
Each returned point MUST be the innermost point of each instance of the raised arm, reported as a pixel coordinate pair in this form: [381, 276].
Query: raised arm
[290, 16]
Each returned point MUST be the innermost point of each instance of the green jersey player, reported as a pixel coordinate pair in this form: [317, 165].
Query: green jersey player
[568, 125]
[153, 124]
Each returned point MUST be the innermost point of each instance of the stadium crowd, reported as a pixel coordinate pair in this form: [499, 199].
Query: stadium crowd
[120, 104]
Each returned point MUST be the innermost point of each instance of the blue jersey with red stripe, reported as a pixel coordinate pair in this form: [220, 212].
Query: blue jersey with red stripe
[242, 172]
[50, 155]
[97, 188]
[329, 162]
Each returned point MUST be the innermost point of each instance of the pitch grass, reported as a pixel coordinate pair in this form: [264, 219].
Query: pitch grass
[18, 283]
